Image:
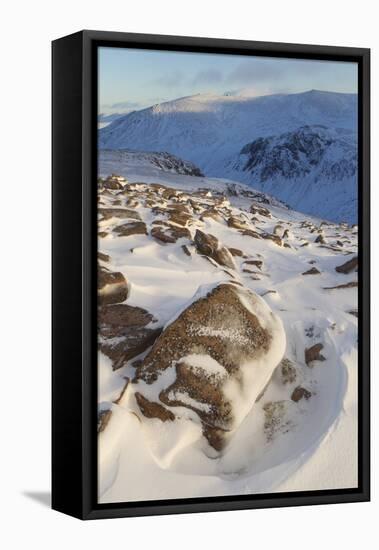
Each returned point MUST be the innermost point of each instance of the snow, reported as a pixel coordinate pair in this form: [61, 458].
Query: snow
[211, 131]
[313, 443]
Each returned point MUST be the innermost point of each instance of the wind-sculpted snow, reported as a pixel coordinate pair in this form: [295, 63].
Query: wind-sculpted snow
[291, 433]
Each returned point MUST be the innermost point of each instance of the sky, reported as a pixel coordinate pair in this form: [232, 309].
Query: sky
[131, 79]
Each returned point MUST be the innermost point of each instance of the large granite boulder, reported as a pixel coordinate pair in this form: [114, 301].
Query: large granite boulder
[212, 361]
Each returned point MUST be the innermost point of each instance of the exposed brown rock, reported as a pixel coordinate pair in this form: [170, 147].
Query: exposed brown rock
[103, 418]
[313, 354]
[111, 286]
[121, 213]
[209, 245]
[287, 371]
[131, 228]
[123, 333]
[151, 409]
[353, 312]
[211, 213]
[257, 208]
[237, 223]
[312, 271]
[349, 266]
[198, 330]
[103, 257]
[251, 233]
[170, 233]
[275, 238]
[257, 263]
[320, 239]
[236, 252]
[351, 284]
[186, 250]
[300, 393]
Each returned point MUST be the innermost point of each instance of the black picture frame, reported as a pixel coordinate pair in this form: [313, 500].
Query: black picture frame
[74, 332]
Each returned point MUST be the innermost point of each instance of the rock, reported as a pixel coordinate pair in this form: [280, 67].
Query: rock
[257, 263]
[103, 418]
[112, 183]
[278, 230]
[131, 228]
[180, 218]
[237, 252]
[211, 213]
[102, 234]
[237, 223]
[111, 286]
[186, 250]
[353, 312]
[351, 284]
[257, 208]
[287, 371]
[300, 393]
[121, 213]
[285, 234]
[251, 233]
[275, 238]
[349, 266]
[224, 348]
[320, 239]
[151, 409]
[275, 418]
[313, 354]
[312, 271]
[103, 257]
[270, 291]
[123, 332]
[170, 233]
[209, 245]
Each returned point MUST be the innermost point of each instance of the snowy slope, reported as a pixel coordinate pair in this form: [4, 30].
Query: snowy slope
[212, 130]
[282, 444]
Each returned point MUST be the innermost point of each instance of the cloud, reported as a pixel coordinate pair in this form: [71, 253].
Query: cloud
[122, 105]
[256, 71]
[208, 76]
[169, 80]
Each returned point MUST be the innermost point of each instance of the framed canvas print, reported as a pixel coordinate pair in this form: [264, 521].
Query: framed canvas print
[210, 274]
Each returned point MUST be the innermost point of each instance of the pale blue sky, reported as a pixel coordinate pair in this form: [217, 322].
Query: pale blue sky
[131, 79]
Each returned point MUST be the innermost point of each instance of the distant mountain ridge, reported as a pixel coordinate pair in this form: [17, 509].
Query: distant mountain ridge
[231, 136]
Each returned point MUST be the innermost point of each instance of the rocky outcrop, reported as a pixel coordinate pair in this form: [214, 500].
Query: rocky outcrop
[223, 349]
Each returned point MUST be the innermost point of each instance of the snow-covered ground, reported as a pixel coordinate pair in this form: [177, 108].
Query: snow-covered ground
[283, 443]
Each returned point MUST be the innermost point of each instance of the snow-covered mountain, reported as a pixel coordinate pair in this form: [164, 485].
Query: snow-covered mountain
[211, 131]
[304, 168]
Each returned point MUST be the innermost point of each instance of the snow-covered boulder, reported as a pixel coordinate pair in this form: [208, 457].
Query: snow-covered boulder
[213, 360]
